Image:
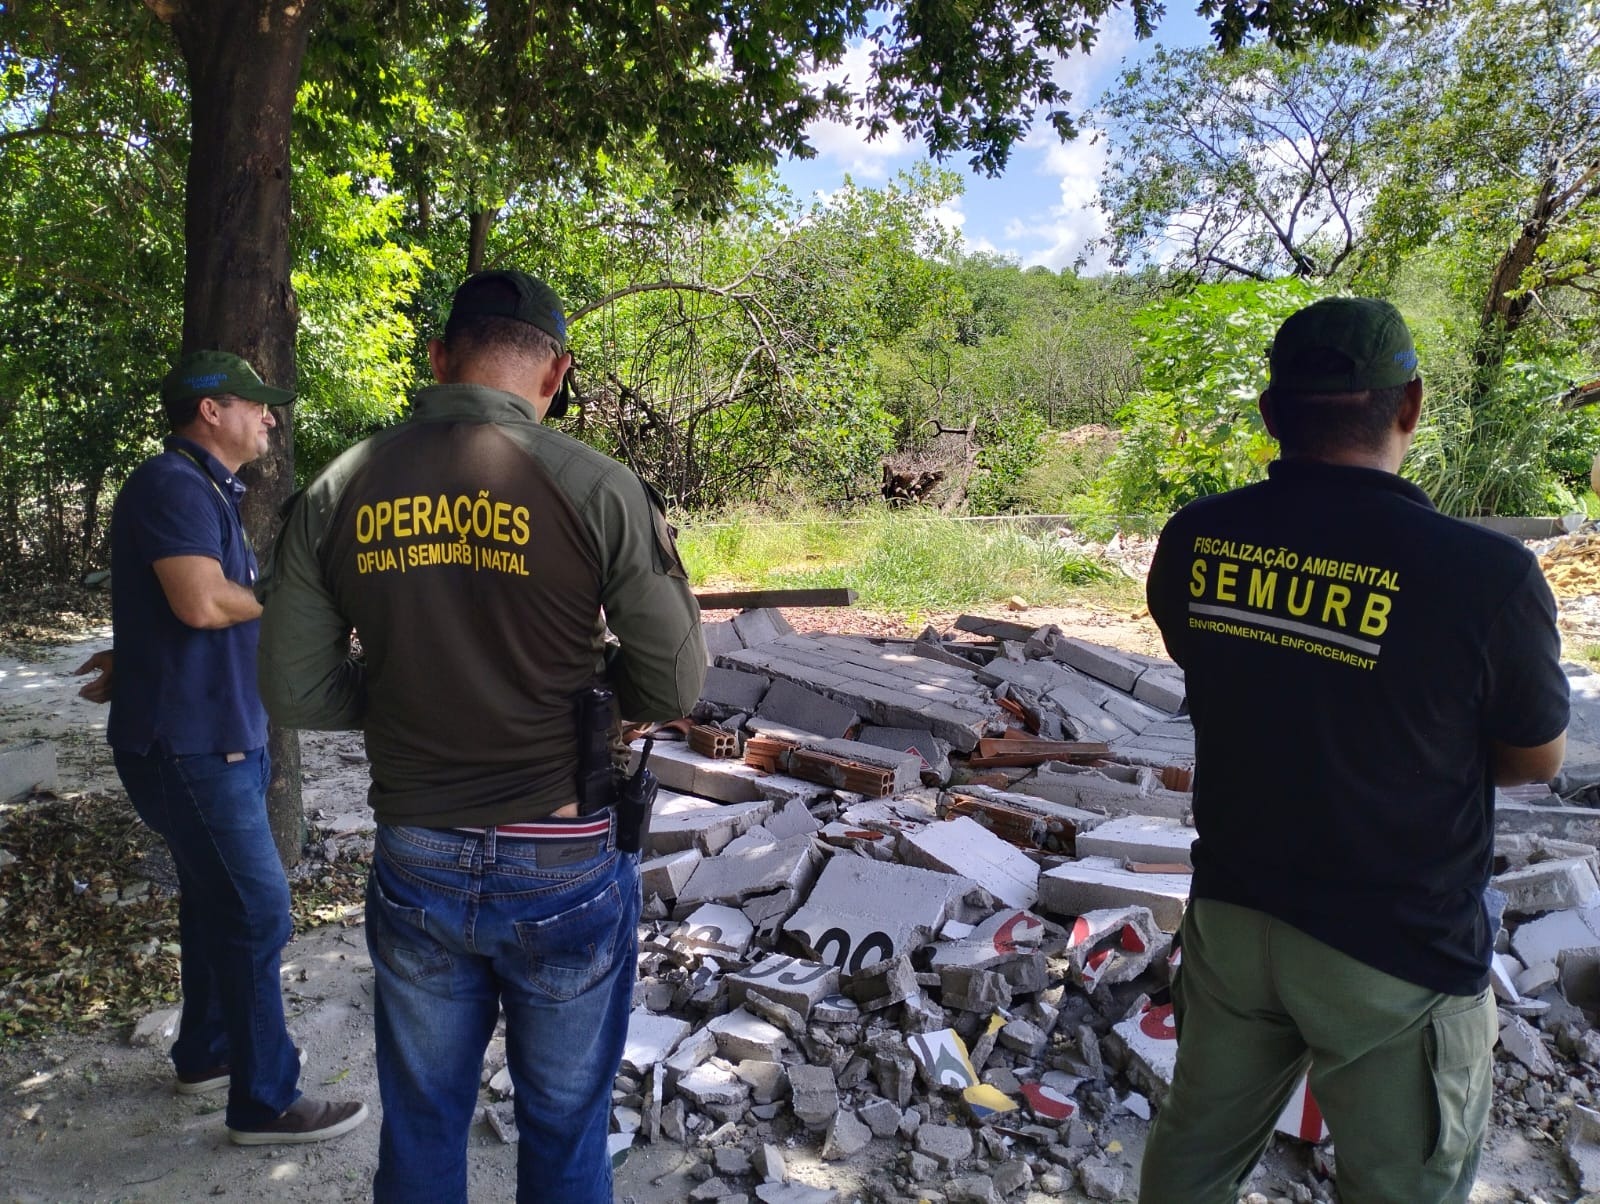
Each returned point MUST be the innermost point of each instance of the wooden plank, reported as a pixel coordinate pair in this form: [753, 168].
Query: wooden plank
[755, 599]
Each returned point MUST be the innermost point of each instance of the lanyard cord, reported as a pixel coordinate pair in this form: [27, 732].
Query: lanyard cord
[212, 481]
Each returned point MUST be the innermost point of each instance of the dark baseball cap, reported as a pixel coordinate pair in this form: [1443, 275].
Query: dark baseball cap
[1373, 345]
[524, 298]
[215, 373]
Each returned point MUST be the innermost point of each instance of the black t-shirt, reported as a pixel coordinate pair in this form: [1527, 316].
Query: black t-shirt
[1350, 653]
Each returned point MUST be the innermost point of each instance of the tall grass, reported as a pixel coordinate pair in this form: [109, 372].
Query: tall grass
[899, 561]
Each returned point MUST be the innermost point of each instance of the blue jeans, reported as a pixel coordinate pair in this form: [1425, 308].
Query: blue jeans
[460, 925]
[233, 921]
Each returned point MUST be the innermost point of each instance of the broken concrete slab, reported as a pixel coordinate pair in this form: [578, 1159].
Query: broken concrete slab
[1566, 823]
[1147, 1045]
[1087, 718]
[1581, 1144]
[1521, 1040]
[720, 637]
[713, 1083]
[1000, 938]
[1094, 883]
[862, 911]
[943, 1060]
[963, 846]
[1114, 945]
[681, 822]
[733, 877]
[1156, 839]
[26, 766]
[792, 818]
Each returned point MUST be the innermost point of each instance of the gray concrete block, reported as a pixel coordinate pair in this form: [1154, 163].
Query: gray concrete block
[1107, 664]
[1164, 691]
[935, 753]
[964, 846]
[797, 707]
[1089, 721]
[814, 1094]
[1150, 838]
[1091, 789]
[733, 689]
[1094, 883]
[1566, 823]
[26, 766]
[720, 638]
[757, 627]
[714, 928]
[1545, 939]
[741, 1035]
[1134, 715]
[792, 818]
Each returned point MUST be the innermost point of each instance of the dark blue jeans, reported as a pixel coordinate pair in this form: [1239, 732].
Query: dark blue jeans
[233, 921]
[459, 926]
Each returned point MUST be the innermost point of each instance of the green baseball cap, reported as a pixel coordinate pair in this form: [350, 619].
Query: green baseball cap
[1369, 336]
[215, 373]
[524, 298]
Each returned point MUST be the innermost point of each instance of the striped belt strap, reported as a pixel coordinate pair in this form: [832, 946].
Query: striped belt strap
[582, 828]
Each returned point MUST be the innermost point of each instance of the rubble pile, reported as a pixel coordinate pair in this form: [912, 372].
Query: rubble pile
[922, 892]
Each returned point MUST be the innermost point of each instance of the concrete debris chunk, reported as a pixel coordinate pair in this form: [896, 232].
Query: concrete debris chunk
[1545, 939]
[792, 818]
[741, 1035]
[1099, 882]
[791, 981]
[26, 766]
[1521, 1040]
[157, 1028]
[1549, 886]
[712, 1083]
[1101, 789]
[768, 1081]
[1003, 936]
[881, 984]
[1148, 838]
[947, 1145]
[733, 877]
[762, 626]
[880, 1116]
[963, 846]
[680, 822]
[814, 1095]
[1100, 1179]
[1163, 690]
[863, 911]
[942, 1058]
[1148, 1044]
[1581, 1144]
[981, 991]
[769, 1163]
[795, 1193]
[714, 928]
[1114, 945]
[651, 1039]
[934, 752]
[666, 876]
[847, 1136]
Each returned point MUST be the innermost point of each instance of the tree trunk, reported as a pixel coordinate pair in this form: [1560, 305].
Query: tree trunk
[479, 223]
[1502, 313]
[243, 59]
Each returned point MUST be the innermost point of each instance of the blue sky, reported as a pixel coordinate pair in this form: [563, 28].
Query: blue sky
[1041, 210]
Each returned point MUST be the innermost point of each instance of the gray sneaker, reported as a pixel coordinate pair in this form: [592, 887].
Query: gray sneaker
[306, 1120]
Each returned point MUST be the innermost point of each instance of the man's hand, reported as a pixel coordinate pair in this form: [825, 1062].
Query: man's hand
[98, 690]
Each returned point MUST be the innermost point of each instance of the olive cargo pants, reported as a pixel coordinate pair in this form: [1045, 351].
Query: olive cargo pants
[1402, 1073]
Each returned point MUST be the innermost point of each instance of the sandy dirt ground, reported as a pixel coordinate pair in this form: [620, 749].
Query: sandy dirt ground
[93, 1118]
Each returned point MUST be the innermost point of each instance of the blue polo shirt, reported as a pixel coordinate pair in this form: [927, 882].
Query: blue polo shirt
[177, 689]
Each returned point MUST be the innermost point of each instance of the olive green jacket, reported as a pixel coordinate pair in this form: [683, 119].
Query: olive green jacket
[480, 558]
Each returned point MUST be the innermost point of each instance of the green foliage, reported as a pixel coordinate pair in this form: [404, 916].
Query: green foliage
[1514, 453]
[1195, 428]
[896, 560]
[1009, 451]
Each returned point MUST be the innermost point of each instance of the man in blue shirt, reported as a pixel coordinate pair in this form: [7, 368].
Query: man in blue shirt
[189, 736]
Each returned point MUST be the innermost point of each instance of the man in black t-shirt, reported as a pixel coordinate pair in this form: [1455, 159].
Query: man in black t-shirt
[1362, 672]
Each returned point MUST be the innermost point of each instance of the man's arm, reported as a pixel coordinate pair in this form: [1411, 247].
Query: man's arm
[661, 665]
[304, 669]
[201, 596]
[1513, 766]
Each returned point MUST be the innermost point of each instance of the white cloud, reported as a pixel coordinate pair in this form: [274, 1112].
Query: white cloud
[841, 143]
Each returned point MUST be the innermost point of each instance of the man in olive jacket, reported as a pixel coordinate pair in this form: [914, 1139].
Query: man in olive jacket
[481, 557]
